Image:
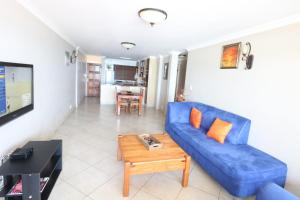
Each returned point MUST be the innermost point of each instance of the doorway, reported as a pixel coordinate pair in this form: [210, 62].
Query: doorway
[93, 83]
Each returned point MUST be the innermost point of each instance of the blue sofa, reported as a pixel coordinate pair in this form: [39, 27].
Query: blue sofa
[238, 167]
[271, 191]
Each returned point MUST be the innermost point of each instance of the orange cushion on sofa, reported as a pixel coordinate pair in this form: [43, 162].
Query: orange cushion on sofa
[219, 130]
[195, 118]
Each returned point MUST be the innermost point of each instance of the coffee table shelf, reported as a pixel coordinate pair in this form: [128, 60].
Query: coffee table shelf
[46, 161]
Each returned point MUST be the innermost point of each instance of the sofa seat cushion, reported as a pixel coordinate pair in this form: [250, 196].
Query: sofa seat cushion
[238, 162]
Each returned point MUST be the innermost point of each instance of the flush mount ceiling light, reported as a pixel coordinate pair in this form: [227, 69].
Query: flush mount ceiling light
[125, 58]
[153, 15]
[128, 45]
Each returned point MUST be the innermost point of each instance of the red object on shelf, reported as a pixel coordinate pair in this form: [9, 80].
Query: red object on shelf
[17, 188]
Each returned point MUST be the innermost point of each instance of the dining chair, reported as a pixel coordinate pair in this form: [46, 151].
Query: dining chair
[134, 103]
[123, 102]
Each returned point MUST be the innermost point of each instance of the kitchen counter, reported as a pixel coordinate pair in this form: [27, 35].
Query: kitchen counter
[128, 84]
[108, 92]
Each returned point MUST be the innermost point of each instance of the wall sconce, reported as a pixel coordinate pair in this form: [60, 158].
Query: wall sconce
[247, 56]
[74, 55]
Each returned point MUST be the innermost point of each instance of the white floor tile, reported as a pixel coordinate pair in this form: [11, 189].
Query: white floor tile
[72, 166]
[224, 195]
[75, 147]
[92, 156]
[201, 180]
[113, 190]
[88, 180]
[163, 187]
[175, 175]
[87, 198]
[141, 195]
[110, 165]
[191, 193]
[138, 180]
[64, 191]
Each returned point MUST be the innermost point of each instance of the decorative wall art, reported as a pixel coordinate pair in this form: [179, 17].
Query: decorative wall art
[230, 56]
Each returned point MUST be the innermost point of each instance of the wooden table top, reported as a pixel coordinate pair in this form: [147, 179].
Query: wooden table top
[134, 151]
[129, 93]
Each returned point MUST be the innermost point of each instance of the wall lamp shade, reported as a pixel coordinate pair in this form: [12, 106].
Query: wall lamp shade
[128, 45]
[153, 15]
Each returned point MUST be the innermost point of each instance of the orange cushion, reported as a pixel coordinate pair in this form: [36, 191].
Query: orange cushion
[219, 130]
[195, 118]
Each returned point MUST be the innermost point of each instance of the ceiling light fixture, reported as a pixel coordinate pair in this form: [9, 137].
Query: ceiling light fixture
[153, 15]
[128, 45]
[125, 58]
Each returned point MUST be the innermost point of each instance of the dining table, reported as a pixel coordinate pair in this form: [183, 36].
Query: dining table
[129, 96]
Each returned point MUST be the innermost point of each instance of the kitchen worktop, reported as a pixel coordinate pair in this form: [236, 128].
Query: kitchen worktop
[128, 83]
[108, 91]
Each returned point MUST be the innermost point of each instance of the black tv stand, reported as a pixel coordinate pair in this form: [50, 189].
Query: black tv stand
[46, 161]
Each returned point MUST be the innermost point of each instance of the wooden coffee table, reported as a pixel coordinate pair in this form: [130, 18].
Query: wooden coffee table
[138, 160]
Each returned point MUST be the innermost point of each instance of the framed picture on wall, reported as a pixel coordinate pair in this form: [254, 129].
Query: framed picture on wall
[230, 56]
[166, 68]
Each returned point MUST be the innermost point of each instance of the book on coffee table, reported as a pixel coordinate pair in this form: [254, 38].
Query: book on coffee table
[150, 142]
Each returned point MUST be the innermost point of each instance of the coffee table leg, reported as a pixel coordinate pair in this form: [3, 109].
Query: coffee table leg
[186, 171]
[119, 155]
[126, 179]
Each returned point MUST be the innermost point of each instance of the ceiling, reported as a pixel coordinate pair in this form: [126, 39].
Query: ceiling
[99, 26]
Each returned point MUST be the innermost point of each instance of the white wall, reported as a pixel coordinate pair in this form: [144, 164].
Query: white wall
[93, 59]
[172, 76]
[160, 64]
[24, 39]
[152, 82]
[268, 94]
[163, 87]
[80, 81]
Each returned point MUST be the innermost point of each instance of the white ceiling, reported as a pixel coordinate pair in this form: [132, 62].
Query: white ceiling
[99, 26]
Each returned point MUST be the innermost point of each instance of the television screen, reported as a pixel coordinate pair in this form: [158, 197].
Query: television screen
[16, 90]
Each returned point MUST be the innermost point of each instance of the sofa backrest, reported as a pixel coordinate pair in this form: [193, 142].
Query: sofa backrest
[179, 112]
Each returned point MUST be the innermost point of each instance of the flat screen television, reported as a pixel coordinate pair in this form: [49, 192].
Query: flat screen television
[16, 90]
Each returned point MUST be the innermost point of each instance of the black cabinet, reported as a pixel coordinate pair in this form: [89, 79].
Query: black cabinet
[46, 161]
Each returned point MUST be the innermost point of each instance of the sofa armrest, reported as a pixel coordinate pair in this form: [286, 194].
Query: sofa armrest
[178, 112]
[274, 192]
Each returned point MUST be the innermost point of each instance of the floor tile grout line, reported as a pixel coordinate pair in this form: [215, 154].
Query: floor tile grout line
[177, 196]
[88, 166]
[113, 176]
[197, 188]
[73, 187]
[146, 191]
[96, 162]
[219, 194]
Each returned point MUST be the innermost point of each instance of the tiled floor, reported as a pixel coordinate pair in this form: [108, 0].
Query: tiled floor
[90, 168]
